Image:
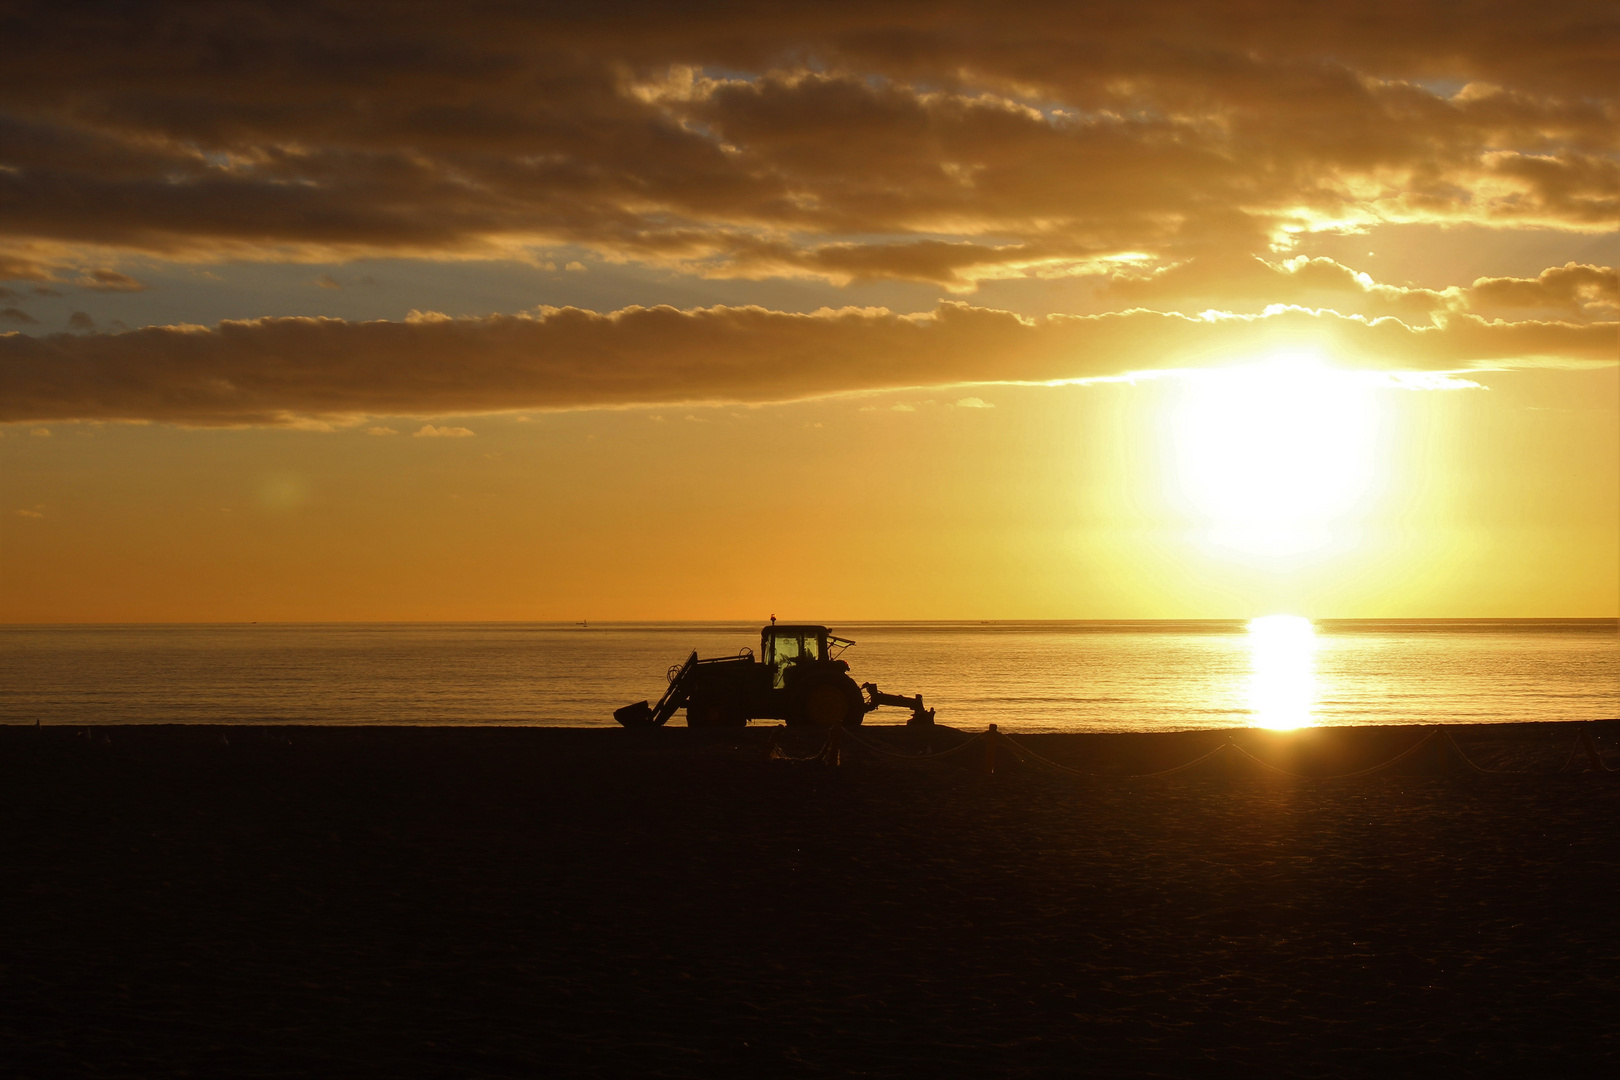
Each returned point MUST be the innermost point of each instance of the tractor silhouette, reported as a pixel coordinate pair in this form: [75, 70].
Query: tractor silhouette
[797, 677]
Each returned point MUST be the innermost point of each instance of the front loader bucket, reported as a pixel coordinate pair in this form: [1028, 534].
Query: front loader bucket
[638, 715]
[643, 715]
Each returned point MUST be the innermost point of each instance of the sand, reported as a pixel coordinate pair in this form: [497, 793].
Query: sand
[516, 902]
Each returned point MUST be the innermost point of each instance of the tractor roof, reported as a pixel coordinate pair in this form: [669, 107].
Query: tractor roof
[793, 628]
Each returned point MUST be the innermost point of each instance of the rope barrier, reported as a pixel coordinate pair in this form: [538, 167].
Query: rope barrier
[1182, 768]
[1587, 743]
[1583, 743]
[1466, 760]
[774, 751]
[1435, 734]
[1574, 755]
[831, 753]
[930, 756]
[1025, 751]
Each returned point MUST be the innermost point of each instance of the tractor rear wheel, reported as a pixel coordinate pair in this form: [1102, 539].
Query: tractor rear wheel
[834, 702]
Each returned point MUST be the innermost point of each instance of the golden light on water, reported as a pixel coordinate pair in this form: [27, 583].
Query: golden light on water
[1273, 456]
[1282, 672]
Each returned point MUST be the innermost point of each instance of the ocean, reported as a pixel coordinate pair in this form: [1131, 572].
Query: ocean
[1024, 676]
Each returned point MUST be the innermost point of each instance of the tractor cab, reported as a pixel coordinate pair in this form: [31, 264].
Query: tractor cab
[782, 648]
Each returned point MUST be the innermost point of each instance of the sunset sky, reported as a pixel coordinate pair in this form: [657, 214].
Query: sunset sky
[400, 311]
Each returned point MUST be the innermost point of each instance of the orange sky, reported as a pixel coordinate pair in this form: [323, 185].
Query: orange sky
[869, 312]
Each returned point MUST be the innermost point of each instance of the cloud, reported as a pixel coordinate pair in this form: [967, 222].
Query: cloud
[289, 370]
[18, 267]
[881, 140]
[428, 431]
[327, 281]
[381, 431]
[41, 433]
[1247, 283]
[81, 320]
[29, 514]
[1569, 288]
[17, 316]
[974, 403]
[105, 280]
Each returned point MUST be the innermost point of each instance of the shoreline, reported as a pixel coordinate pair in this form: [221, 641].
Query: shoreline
[1527, 745]
[765, 725]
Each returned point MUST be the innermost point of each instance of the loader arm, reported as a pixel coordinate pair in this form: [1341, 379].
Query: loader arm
[640, 715]
[920, 716]
[675, 694]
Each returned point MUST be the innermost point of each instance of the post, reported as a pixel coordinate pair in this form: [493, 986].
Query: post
[990, 750]
[832, 753]
[1587, 744]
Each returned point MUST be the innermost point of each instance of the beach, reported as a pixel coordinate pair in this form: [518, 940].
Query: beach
[502, 901]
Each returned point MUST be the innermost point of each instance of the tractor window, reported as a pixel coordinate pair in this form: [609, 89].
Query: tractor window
[787, 649]
[787, 653]
[812, 647]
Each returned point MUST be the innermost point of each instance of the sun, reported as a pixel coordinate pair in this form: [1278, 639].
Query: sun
[1282, 671]
[1274, 458]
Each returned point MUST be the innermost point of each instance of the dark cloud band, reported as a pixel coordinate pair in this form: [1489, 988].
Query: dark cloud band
[278, 371]
[863, 140]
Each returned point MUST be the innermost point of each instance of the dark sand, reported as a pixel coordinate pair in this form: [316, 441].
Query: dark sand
[520, 902]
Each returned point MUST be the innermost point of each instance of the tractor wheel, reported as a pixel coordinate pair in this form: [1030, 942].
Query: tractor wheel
[834, 702]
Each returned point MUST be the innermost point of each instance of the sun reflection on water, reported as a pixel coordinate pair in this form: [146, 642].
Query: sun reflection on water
[1282, 671]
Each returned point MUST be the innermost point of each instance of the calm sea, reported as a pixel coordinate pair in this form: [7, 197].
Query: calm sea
[1074, 676]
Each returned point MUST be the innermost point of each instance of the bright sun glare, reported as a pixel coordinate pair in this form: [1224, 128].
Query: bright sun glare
[1274, 455]
[1282, 671]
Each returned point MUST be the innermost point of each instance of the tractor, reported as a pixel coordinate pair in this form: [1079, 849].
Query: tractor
[797, 677]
